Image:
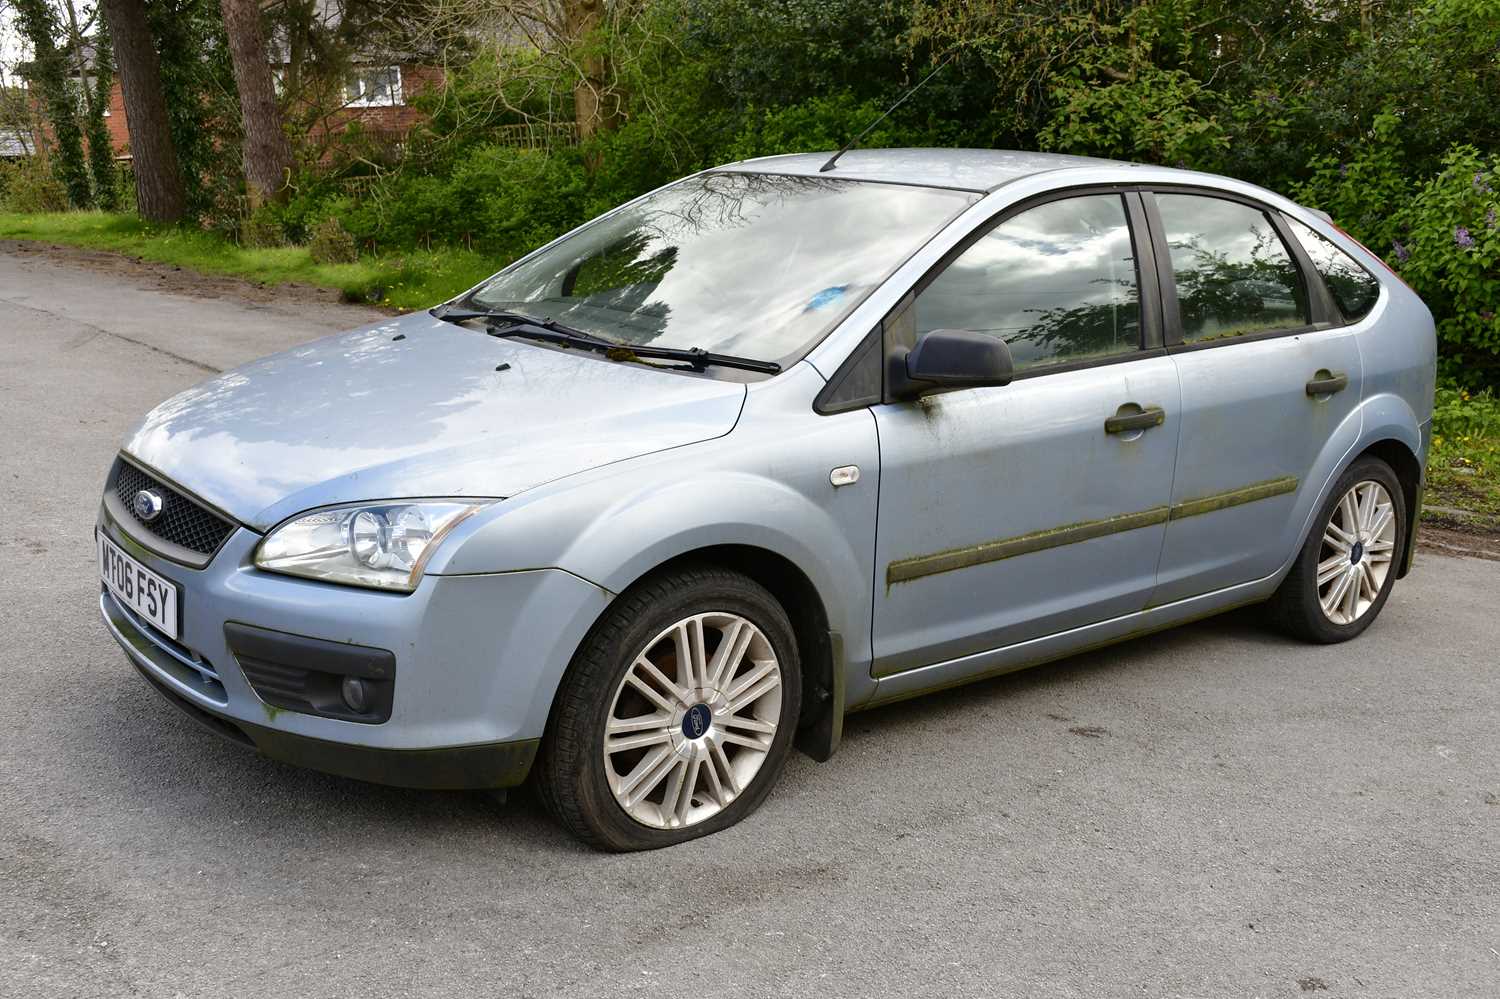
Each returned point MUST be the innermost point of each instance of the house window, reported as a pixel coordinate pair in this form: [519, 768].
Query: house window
[373, 87]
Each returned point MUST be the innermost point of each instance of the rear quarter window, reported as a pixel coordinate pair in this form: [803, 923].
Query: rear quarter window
[1353, 288]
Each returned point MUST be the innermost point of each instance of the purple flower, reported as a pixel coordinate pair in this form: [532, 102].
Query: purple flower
[1486, 316]
[1479, 184]
[1343, 169]
[1489, 218]
[1402, 253]
[1462, 239]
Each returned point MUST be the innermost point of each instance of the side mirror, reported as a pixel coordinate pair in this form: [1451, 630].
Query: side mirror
[949, 359]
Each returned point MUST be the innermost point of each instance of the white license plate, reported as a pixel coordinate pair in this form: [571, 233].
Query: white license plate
[138, 588]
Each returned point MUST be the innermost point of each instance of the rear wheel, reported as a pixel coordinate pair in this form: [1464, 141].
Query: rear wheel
[1346, 569]
[677, 714]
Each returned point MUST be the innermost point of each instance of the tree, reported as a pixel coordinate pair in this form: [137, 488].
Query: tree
[203, 109]
[594, 108]
[576, 42]
[48, 72]
[159, 190]
[267, 154]
[95, 94]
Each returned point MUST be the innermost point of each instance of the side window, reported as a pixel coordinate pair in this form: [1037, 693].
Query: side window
[1354, 289]
[1234, 275]
[1056, 282]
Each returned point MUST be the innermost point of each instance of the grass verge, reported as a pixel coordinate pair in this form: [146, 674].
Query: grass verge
[1463, 469]
[415, 280]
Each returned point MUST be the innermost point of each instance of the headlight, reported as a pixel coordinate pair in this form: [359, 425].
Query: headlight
[384, 545]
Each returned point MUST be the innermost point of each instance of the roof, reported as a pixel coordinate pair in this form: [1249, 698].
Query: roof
[965, 169]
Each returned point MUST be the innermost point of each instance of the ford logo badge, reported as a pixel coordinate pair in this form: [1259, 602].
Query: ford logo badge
[148, 505]
[696, 721]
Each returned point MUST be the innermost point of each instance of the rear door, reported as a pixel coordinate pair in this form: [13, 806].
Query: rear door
[1012, 512]
[1269, 381]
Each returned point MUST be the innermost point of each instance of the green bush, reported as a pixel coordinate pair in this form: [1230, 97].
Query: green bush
[1463, 470]
[1441, 233]
[498, 199]
[817, 124]
[1449, 251]
[331, 243]
[1459, 415]
[26, 185]
[1365, 193]
[262, 230]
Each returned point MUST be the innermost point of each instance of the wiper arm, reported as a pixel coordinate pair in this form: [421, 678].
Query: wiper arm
[550, 331]
[697, 357]
[455, 315]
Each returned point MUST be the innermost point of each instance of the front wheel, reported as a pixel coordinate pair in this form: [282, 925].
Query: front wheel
[1345, 571]
[677, 714]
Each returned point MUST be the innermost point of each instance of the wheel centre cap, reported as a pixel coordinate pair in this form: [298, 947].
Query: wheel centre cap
[1357, 552]
[696, 721]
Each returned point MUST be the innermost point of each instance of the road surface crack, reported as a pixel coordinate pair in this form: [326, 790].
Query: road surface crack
[118, 336]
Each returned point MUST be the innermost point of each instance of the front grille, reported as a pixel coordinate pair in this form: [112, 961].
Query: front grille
[182, 520]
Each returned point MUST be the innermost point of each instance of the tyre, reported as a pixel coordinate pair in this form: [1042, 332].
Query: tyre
[677, 713]
[1347, 567]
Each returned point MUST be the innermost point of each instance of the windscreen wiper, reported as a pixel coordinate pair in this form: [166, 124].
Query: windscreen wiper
[695, 357]
[516, 324]
[457, 315]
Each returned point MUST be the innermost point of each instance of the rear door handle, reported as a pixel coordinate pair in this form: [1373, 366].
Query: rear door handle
[1327, 382]
[1132, 417]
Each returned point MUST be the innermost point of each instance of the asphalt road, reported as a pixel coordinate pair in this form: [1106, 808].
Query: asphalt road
[1211, 812]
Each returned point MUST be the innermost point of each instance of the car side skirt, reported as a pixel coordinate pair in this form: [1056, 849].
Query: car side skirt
[995, 662]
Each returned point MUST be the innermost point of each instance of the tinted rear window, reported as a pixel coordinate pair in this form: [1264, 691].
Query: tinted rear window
[1234, 275]
[1353, 288]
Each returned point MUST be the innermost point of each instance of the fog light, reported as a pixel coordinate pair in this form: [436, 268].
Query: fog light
[356, 694]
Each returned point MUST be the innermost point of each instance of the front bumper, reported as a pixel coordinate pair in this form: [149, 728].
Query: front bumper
[457, 768]
[479, 658]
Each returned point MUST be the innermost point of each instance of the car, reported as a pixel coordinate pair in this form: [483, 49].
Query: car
[783, 440]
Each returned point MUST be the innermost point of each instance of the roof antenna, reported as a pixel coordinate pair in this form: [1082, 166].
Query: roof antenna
[855, 141]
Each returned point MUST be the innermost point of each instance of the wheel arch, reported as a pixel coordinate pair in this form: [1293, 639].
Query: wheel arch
[1388, 430]
[1393, 433]
[819, 648]
[1408, 468]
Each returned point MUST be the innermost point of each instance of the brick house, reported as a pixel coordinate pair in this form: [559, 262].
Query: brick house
[374, 95]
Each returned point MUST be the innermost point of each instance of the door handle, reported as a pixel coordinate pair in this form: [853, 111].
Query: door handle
[1143, 419]
[1327, 382]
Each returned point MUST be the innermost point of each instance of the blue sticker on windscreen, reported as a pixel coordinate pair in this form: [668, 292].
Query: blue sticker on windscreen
[826, 297]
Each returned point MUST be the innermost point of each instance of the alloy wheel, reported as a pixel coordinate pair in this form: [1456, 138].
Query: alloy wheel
[1359, 548]
[692, 720]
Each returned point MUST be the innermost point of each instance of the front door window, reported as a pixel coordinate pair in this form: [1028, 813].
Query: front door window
[1057, 283]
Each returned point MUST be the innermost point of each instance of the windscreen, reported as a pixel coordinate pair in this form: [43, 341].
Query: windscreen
[756, 265]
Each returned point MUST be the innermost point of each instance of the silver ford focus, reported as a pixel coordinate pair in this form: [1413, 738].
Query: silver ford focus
[772, 444]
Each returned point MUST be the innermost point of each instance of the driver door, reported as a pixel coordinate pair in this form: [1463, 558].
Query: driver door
[1013, 512]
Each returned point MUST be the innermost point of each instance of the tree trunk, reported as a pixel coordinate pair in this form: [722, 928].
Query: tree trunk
[159, 194]
[582, 20]
[267, 153]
